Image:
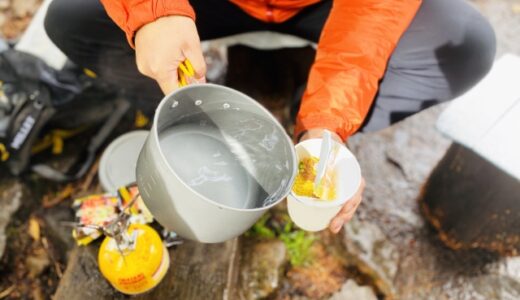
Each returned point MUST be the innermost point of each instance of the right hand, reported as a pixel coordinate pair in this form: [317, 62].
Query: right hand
[160, 47]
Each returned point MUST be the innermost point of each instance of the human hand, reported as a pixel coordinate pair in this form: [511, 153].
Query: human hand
[348, 210]
[161, 46]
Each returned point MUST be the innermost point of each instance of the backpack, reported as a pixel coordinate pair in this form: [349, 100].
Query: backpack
[40, 106]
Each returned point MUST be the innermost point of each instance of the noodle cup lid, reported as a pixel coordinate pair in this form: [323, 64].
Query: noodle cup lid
[346, 166]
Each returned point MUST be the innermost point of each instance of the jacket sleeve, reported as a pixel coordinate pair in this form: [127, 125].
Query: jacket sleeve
[355, 45]
[130, 15]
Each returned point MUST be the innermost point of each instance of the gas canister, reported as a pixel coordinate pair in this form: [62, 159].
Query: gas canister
[135, 261]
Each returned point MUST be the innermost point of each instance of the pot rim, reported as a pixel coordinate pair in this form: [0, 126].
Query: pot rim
[155, 133]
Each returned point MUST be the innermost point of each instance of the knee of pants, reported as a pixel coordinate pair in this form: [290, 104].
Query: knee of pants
[53, 21]
[466, 63]
[64, 20]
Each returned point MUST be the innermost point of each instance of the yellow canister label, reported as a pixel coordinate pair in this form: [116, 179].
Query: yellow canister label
[136, 270]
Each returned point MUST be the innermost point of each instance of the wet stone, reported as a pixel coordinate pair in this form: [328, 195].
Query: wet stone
[352, 291]
[505, 21]
[60, 235]
[374, 254]
[323, 276]
[261, 266]
[395, 163]
[11, 193]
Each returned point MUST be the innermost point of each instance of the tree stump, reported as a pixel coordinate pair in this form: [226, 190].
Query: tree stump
[472, 203]
[197, 271]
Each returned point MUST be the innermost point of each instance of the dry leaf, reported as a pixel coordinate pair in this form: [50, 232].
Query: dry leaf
[34, 228]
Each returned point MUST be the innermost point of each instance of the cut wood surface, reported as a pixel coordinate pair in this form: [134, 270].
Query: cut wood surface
[198, 271]
[473, 203]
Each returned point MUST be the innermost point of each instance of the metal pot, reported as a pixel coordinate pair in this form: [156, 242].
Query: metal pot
[214, 162]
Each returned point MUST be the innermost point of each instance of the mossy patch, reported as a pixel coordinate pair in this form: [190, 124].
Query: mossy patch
[278, 225]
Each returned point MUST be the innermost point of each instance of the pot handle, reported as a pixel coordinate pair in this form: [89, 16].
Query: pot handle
[186, 74]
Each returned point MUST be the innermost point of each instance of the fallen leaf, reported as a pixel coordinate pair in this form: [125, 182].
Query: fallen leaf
[34, 229]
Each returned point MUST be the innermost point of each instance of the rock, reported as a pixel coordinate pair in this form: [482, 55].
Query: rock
[11, 193]
[372, 253]
[395, 163]
[352, 291]
[322, 277]
[505, 22]
[59, 234]
[262, 265]
[22, 8]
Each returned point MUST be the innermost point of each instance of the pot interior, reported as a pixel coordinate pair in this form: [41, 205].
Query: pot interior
[225, 146]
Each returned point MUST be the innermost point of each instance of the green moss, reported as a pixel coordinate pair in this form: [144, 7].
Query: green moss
[260, 228]
[297, 242]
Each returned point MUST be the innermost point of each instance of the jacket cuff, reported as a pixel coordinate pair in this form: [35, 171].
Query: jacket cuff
[146, 12]
[332, 123]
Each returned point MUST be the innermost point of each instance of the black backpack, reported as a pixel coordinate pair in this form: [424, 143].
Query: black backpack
[36, 99]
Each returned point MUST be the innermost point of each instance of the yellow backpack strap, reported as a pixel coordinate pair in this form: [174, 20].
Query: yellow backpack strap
[4, 154]
[55, 140]
[140, 119]
[90, 73]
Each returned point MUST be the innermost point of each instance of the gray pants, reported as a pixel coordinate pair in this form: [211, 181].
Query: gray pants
[446, 50]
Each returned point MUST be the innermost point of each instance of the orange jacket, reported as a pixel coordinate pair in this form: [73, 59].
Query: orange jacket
[355, 45]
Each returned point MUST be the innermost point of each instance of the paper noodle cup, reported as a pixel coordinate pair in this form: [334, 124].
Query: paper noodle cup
[312, 214]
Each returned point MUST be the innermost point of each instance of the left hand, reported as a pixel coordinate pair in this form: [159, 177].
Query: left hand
[348, 210]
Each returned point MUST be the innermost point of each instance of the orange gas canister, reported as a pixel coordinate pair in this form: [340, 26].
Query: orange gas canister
[135, 263]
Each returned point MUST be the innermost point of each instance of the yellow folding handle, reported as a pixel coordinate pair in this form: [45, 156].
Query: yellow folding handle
[185, 72]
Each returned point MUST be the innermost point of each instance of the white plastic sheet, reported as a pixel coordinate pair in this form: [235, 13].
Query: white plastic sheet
[487, 118]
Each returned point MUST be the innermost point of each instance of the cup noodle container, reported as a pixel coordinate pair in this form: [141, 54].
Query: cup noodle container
[311, 214]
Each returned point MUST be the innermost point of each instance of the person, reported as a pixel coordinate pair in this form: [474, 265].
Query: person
[376, 63]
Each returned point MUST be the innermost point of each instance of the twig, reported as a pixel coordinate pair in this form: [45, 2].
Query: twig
[57, 266]
[62, 195]
[90, 177]
[7, 291]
